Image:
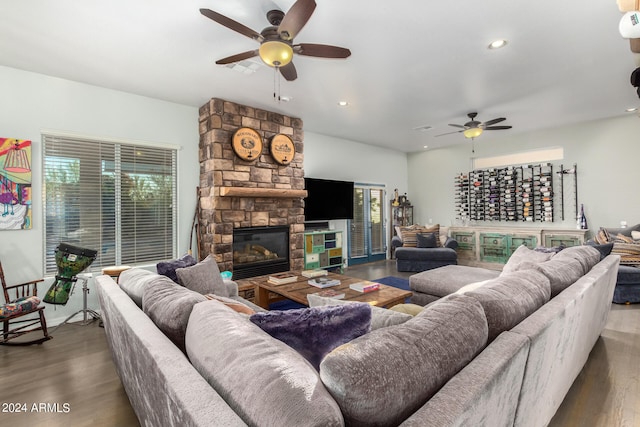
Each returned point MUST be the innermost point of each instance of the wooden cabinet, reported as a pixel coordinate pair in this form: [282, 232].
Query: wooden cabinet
[401, 216]
[551, 240]
[466, 243]
[494, 247]
[491, 247]
[323, 249]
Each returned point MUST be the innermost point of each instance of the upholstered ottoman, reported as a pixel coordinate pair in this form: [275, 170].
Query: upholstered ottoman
[432, 285]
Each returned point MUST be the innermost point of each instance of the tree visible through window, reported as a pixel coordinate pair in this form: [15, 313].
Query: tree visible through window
[116, 198]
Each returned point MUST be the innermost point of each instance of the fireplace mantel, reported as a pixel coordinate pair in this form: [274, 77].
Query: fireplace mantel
[261, 192]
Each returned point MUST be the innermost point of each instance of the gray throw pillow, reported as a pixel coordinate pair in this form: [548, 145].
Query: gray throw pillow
[380, 317]
[169, 305]
[524, 254]
[204, 278]
[383, 377]
[265, 381]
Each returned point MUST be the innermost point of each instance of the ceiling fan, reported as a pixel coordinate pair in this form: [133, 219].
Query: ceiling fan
[276, 41]
[474, 128]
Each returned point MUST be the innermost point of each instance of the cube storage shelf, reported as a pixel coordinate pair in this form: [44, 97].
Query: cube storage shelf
[323, 249]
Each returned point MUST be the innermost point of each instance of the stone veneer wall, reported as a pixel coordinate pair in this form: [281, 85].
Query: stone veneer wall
[219, 166]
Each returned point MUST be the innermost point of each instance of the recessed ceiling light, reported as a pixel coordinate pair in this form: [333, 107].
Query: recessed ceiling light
[286, 98]
[631, 110]
[497, 44]
[343, 103]
[425, 147]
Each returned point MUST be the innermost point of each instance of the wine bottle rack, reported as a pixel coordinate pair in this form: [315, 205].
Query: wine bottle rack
[513, 193]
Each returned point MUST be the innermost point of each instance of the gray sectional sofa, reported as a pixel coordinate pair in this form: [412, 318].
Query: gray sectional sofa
[504, 354]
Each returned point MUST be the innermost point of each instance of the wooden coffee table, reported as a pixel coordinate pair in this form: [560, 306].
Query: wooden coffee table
[386, 296]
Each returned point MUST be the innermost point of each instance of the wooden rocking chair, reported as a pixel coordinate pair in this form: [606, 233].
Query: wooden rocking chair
[22, 303]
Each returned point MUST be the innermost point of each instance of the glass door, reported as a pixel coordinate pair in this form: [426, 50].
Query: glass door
[367, 237]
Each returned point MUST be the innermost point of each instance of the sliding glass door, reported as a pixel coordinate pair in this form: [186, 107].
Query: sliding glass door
[367, 236]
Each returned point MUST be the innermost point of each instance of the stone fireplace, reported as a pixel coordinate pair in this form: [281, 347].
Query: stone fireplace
[235, 194]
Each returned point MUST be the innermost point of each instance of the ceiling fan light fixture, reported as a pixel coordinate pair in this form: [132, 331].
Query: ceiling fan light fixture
[472, 133]
[497, 44]
[276, 53]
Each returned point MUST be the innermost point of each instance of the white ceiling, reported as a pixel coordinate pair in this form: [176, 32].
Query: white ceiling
[413, 63]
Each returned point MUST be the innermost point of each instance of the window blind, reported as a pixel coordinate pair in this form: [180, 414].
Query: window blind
[113, 197]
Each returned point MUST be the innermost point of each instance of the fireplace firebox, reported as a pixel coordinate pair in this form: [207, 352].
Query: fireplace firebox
[260, 250]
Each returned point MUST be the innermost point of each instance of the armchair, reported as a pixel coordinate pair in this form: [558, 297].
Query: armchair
[418, 259]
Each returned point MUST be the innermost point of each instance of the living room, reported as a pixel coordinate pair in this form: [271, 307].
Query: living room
[603, 148]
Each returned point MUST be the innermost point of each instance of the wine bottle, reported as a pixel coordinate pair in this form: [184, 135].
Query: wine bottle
[583, 218]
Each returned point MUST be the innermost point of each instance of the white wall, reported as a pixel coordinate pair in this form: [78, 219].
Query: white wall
[334, 158]
[33, 102]
[606, 152]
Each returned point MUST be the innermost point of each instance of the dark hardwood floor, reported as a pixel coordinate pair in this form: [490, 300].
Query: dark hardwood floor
[73, 376]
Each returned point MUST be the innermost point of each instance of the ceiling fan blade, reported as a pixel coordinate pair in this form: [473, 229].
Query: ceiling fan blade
[321, 50]
[289, 72]
[231, 24]
[296, 18]
[458, 126]
[448, 133]
[494, 121]
[237, 57]
[497, 127]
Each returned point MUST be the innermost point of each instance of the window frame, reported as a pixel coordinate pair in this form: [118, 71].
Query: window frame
[48, 137]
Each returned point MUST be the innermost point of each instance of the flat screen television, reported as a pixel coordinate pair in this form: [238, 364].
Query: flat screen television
[328, 199]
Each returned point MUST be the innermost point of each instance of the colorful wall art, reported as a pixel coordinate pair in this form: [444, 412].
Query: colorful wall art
[15, 184]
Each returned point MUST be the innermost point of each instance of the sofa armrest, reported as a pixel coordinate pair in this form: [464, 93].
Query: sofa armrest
[232, 287]
[451, 243]
[396, 242]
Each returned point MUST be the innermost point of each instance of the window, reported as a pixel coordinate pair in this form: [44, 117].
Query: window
[114, 197]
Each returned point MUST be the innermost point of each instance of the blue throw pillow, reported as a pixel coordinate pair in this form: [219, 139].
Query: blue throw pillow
[427, 240]
[168, 268]
[314, 332]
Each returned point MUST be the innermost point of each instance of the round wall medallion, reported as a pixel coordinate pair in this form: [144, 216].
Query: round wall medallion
[282, 149]
[247, 144]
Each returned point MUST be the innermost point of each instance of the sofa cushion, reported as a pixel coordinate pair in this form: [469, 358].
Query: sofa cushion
[386, 375]
[168, 268]
[134, 280]
[18, 306]
[586, 255]
[315, 331]
[561, 273]
[524, 254]
[169, 305]
[472, 286]
[380, 317]
[510, 298]
[426, 240]
[204, 277]
[264, 380]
